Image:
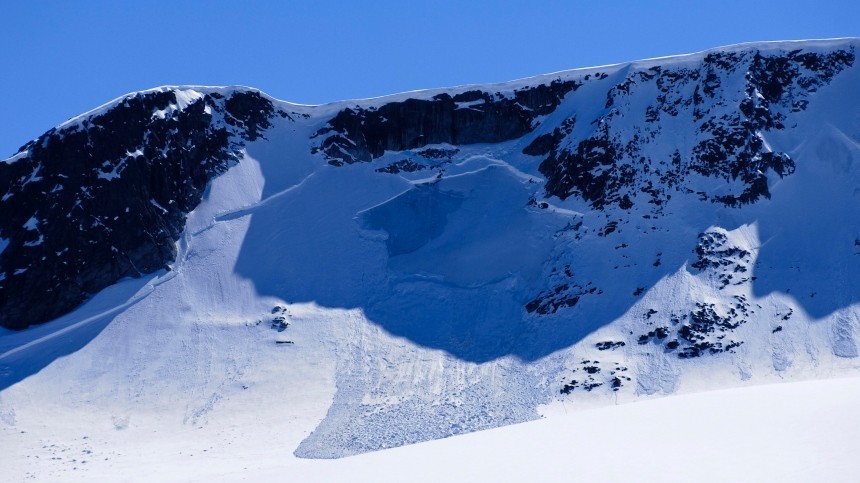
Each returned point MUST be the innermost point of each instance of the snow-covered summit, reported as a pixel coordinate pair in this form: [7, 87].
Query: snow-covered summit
[405, 268]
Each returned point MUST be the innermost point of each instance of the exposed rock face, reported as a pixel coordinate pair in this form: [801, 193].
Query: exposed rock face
[106, 197]
[607, 165]
[362, 134]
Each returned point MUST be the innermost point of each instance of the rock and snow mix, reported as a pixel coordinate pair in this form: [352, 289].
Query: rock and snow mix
[259, 277]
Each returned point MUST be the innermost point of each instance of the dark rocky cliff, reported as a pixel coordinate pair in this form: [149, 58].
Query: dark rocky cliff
[362, 134]
[106, 197]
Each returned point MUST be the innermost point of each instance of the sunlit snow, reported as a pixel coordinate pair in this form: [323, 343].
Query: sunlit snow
[322, 312]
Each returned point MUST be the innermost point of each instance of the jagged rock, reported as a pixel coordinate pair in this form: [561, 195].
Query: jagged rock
[107, 195]
[609, 345]
[606, 166]
[362, 134]
[404, 165]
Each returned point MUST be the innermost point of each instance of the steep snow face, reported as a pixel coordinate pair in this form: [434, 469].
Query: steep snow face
[382, 272]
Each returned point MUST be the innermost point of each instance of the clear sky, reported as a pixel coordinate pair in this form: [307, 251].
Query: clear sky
[61, 58]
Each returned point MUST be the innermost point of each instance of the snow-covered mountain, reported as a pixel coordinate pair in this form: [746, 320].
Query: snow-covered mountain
[343, 278]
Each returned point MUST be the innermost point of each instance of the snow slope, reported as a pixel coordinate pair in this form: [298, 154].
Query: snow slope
[789, 432]
[762, 433]
[329, 298]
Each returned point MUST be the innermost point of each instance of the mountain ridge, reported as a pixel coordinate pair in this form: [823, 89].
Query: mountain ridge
[337, 105]
[426, 265]
[513, 115]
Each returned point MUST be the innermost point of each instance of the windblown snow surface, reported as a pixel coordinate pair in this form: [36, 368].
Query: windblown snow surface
[318, 311]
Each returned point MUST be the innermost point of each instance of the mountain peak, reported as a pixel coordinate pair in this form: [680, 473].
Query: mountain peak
[455, 258]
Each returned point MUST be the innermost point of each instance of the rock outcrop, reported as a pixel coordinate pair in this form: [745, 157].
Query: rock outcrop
[105, 197]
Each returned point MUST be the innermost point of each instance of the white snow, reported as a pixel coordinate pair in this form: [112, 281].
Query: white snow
[116, 171]
[35, 242]
[16, 157]
[789, 432]
[470, 104]
[160, 113]
[34, 176]
[778, 432]
[171, 108]
[185, 97]
[405, 300]
[32, 223]
[155, 204]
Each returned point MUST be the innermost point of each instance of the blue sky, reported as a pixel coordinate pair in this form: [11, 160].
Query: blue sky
[59, 59]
